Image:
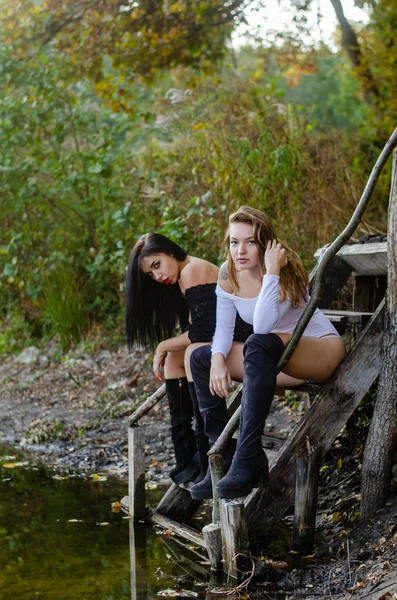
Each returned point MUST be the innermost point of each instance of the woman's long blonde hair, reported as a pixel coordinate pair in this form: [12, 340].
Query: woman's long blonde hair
[293, 277]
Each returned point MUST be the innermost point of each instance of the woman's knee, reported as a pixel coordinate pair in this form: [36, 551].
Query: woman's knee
[268, 343]
[174, 365]
[200, 358]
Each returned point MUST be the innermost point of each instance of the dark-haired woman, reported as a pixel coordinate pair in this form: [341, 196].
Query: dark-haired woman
[265, 283]
[165, 285]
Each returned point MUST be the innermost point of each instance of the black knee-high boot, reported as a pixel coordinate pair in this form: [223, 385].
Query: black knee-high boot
[182, 434]
[213, 411]
[201, 439]
[249, 467]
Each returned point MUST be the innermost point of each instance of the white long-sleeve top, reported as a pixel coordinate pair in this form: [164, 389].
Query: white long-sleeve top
[266, 313]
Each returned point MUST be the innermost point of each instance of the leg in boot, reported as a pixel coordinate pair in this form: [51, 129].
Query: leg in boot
[213, 411]
[182, 434]
[249, 467]
[202, 442]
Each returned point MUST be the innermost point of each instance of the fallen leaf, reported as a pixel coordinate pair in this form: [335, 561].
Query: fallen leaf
[169, 593]
[116, 507]
[130, 382]
[17, 464]
[96, 477]
[75, 521]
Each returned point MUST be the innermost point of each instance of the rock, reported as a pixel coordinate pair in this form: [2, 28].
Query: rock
[44, 361]
[29, 356]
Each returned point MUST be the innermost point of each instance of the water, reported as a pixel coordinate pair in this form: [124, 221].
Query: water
[60, 540]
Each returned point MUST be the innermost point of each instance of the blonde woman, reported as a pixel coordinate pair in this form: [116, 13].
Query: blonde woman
[264, 282]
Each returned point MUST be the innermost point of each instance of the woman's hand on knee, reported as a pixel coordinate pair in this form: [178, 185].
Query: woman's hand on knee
[158, 362]
[220, 380]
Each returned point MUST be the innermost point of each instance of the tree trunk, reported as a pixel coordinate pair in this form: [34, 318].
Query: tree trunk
[352, 47]
[382, 435]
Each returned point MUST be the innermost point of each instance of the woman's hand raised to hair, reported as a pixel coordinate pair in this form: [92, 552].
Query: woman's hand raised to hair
[158, 362]
[220, 380]
[275, 258]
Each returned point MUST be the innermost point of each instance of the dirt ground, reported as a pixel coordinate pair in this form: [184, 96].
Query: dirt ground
[72, 414]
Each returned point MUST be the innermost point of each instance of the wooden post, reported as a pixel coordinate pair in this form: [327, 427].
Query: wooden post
[307, 470]
[213, 543]
[379, 455]
[234, 534]
[136, 472]
[217, 472]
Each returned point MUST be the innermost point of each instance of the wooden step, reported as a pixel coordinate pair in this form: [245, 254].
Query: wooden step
[364, 259]
[341, 318]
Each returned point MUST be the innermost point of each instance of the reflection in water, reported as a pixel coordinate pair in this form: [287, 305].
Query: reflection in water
[59, 540]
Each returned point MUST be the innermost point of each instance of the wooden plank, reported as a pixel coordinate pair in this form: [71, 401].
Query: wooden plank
[321, 425]
[351, 316]
[136, 472]
[183, 531]
[366, 259]
[177, 504]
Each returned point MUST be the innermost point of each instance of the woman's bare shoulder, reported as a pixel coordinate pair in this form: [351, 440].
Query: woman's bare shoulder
[223, 279]
[198, 271]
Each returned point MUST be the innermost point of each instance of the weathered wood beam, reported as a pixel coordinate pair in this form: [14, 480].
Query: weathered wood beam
[177, 504]
[183, 531]
[366, 259]
[213, 543]
[338, 399]
[136, 472]
[234, 534]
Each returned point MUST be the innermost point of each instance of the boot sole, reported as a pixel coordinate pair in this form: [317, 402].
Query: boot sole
[201, 494]
[243, 490]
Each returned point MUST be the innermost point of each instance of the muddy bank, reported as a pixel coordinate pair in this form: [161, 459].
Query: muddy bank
[73, 413]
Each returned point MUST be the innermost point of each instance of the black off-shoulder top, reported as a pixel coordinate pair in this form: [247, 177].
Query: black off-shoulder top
[200, 304]
[201, 301]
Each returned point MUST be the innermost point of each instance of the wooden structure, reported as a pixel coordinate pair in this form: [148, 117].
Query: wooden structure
[294, 470]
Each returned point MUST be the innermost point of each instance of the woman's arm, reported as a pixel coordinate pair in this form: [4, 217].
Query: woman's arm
[225, 322]
[178, 343]
[220, 380]
[269, 310]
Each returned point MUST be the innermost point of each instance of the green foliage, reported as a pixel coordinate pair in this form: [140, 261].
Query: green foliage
[80, 182]
[64, 306]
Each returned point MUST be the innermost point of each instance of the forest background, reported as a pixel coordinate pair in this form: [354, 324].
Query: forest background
[121, 117]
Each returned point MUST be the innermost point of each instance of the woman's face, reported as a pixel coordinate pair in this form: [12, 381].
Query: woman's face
[161, 267]
[243, 248]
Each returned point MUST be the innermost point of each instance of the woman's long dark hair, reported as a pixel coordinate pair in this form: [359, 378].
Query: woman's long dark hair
[152, 309]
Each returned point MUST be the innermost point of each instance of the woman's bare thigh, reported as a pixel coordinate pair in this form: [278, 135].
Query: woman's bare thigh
[314, 359]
